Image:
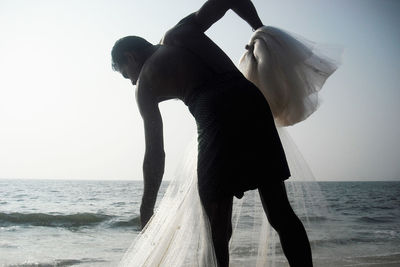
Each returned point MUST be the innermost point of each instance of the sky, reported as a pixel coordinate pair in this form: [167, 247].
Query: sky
[64, 114]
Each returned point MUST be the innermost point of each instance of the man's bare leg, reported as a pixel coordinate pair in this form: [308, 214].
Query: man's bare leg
[220, 214]
[282, 218]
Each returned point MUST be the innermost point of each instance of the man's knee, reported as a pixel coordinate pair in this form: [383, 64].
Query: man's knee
[222, 233]
[281, 220]
[219, 214]
[277, 207]
[221, 238]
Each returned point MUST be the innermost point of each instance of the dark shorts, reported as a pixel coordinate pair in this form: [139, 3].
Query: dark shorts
[238, 145]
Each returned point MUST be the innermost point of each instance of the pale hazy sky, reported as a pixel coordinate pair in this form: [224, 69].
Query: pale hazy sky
[65, 114]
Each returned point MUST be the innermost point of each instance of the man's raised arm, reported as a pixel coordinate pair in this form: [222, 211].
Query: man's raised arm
[213, 10]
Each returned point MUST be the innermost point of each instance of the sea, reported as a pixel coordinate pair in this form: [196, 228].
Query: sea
[92, 223]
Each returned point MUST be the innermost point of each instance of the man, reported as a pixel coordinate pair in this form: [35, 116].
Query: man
[238, 145]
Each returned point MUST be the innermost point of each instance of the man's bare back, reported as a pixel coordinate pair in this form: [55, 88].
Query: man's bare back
[185, 60]
[171, 72]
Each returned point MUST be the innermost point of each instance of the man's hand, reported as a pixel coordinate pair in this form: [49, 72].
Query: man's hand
[148, 203]
[146, 211]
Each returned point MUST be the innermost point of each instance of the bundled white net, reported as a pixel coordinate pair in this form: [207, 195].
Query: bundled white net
[289, 73]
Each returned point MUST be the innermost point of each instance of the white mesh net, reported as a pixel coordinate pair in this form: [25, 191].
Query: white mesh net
[289, 71]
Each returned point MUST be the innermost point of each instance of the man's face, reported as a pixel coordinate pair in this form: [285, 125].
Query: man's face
[131, 69]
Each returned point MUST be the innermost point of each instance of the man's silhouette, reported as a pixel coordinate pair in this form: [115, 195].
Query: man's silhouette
[238, 145]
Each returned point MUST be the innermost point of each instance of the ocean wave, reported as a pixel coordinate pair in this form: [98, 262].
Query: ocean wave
[134, 222]
[67, 221]
[333, 242]
[313, 218]
[43, 219]
[58, 262]
[377, 219]
[387, 233]
[353, 239]
[390, 259]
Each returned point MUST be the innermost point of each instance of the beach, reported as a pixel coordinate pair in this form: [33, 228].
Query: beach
[92, 223]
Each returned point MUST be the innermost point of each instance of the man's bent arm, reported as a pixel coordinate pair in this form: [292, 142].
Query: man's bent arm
[213, 10]
[247, 11]
[154, 159]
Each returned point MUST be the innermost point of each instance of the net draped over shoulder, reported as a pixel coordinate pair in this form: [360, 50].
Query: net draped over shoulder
[289, 71]
[238, 145]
